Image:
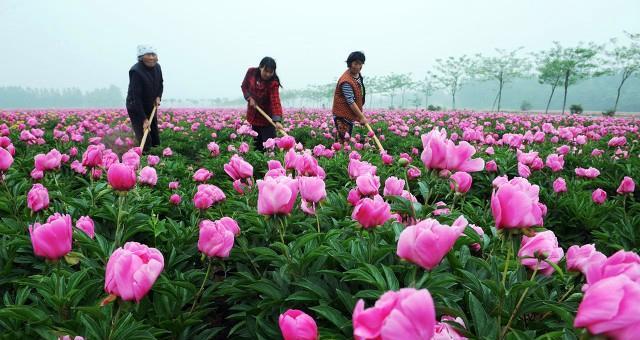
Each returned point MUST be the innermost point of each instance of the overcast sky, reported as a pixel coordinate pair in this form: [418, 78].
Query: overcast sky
[205, 47]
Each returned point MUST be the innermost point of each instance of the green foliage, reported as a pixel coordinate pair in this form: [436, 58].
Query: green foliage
[576, 109]
[323, 273]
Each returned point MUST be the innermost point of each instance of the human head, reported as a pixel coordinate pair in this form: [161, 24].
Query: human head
[355, 61]
[147, 54]
[267, 68]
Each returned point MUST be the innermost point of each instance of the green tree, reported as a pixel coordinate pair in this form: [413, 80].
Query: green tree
[549, 67]
[623, 60]
[578, 63]
[390, 84]
[373, 86]
[427, 87]
[565, 66]
[405, 83]
[502, 68]
[452, 73]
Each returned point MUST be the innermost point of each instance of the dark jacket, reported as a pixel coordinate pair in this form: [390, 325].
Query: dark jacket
[145, 84]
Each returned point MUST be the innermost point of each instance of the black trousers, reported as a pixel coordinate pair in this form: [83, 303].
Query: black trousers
[343, 126]
[264, 133]
[153, 139]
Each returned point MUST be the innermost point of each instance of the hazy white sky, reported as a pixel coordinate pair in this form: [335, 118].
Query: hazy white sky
[206, 46]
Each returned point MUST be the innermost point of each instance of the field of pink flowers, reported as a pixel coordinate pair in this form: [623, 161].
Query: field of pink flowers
[470, 225]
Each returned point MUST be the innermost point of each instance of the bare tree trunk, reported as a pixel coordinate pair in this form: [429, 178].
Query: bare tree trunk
[625, 75]
[553, 89]
[454, 100]
[615, 107]
[494, 102]
[500, 94]
[566, 87]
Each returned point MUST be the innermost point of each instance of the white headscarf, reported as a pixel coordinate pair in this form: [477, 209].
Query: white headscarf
[145, 49]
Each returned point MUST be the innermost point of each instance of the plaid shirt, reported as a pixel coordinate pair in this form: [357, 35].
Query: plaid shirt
[266, 94]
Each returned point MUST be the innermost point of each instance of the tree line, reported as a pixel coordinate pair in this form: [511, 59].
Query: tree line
[559, 68]
[21, 97]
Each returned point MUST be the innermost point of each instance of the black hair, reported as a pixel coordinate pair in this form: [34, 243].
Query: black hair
[270, 64]
[353, 56]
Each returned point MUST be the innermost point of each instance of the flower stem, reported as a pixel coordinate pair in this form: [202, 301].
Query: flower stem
[244, 250]
[507, 237]
[114, 321]
[91, 189]
[195, 301]
[406, 182]
[569, 291]
[55, 180]
[61, 306]
[515, 311]
[282, 232]
[317, 218]
[506, 262]
[117, 240]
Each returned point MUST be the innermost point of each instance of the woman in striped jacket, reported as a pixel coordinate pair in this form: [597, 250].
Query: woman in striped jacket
[349, 97]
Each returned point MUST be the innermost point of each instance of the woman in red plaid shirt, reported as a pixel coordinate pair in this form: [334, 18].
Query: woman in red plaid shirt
[261, 87]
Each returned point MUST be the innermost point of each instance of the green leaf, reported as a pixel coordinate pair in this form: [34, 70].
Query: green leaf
[348, 301]
[24, 313]
[267, 288]
[424, 190]
[377, 276]
[515, 334]
[392, 280]
[556, 267]
[332, 315]
[485, 325]
[303, 296]
[304, 240]
[313, 287]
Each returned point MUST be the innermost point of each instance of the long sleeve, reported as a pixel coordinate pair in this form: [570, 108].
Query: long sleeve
[135, 90]
[246, 84]
[364, 90]
[347, 92]
[161, 82]
[276, 106]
